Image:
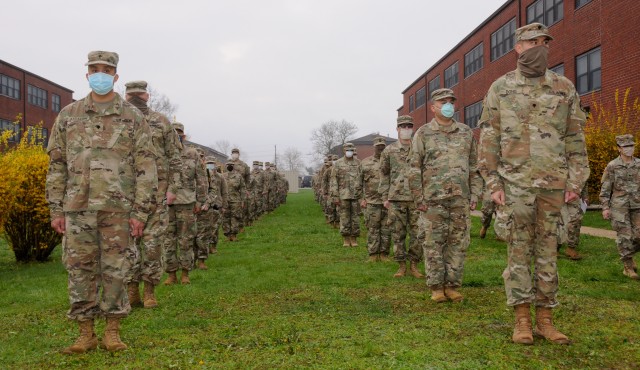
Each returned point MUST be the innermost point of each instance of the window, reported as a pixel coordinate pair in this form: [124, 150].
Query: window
[434, 85]
[9, 87]
[546, 12]
[580, 3]
[37, 96]
[420, 98]
[412, 103]
[559, 69]
[451, 75]
[41, 135]
[472, 114]
[55, 102]
[473, 60]
[6, 125]
[502, 40]
[588, 71]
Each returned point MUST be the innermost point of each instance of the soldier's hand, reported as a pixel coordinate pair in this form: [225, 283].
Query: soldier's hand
[606, 214]
[58, 225]
[472, 205]
[137, 227]
[498, 197]
[170, 198]
[196, 209]
[422, 207]
[570, 196]
[205, 207]
[386, 204]
[363, 203]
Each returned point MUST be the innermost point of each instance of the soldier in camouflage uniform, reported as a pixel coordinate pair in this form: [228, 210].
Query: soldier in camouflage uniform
[148, 265]
[445, 184]
[270, 183]
[245, 171]
[257, 177]
[620, 199]
[236, 195]
[219, 202]
[345, 192]
[101, 189]
[533, 158]
[331, 208]
[204, 220]
[322, 191]
[397, 198]
[376, 216]
[487, 210]
[192, 193]
[572, 222]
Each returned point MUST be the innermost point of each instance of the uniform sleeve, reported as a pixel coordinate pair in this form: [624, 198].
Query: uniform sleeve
[489, 147]
[56, 183]
[146, 173]
[475, 180]
[415, 159]
[333, 184]
[202, 186]
[172, 151]
[576, 148]
[606, 187]
[212, 196]
[385, 171]
[358, 184]
[224, 191]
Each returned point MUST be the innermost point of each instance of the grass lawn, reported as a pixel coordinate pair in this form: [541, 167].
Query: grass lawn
[288, 295]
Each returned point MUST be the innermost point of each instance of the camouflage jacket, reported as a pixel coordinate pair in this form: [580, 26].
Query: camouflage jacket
[167, 145]
[215, 194]
[101, 161]
[370, 176]
[243, 168]
[443, 163]
[269, 181]
[394, 168]
[236, 187]
[325, 178]
[345, 180]
[531, 134]
[257, 178]
[621, 185]
[194, 181]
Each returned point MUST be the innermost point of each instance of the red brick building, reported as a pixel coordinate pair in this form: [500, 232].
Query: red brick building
[35, 98]
[364, 145]
[594, 46]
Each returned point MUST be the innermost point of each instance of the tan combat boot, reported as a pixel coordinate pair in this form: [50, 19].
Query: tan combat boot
[184, 279]
[346, 241]
[522, 333]
[384, 257]
[87, 340]
[414, 270]
[572, 254]
[111, 341]
[545, 328]
[453, 294]
[213, 249]
[172, 279]
[133, 291]
[201, 264]
[629, 271]
[149, 295]
[402, 270]
[483, 232]
[354, 241]
[437, 294]
[373, 258]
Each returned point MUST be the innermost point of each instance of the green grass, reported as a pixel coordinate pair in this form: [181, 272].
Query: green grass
[593, 218]
[287, 295]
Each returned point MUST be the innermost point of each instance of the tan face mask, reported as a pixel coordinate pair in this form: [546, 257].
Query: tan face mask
[533, 62]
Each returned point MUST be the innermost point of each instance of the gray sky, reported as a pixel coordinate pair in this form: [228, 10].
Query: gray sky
[256, 73]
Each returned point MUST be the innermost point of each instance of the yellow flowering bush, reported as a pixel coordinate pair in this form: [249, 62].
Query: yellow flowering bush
[601, 129]
[24, 212]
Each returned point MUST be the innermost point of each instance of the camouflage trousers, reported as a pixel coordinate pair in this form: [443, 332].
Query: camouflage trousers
[204, 222]
[349, 217]
[233, 219]
[331, 211]
[445, 240]
[626, 224]
[532, 216]
[97, 252]
[378, 233]
[148, 264]
[574, 223]
[216, 221]
[488, 209]
[403, 220]
[181, 235]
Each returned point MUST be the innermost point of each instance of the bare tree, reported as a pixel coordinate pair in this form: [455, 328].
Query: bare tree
[223, 146]
[159, 102]
[292, 160]
[330, 134]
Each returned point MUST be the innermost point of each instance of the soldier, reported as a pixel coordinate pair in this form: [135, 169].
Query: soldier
[257, 179]
[148, 266]
[487, 210]
[379, 234]
[396, 194]
[101, 189]
[332, 209]
[269, 190]
[346, 190]
[572, 222]
[192, 194]
[620, 199]
[245, 171]
[445, 184]
[236, 191]
[322, 191]
[533, 158]
[204, 220]
[219, 201]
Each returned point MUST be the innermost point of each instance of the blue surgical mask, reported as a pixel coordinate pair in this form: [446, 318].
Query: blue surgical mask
[349, 153]
[447, 110]
[101, 83]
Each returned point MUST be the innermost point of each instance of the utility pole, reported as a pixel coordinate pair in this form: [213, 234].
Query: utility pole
[275, 155]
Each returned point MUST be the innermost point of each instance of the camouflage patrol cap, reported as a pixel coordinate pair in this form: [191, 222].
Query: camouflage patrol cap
[102, 57]
[178, 126]
[334, 157]
[379, 141]
[235, 150]
[256, 163]
[200, 152]
[348, 146]
[267, 164]
[136, 87]
[532, 31]
[210, 159]
[625, 140]
[403, 120]
[442, 94]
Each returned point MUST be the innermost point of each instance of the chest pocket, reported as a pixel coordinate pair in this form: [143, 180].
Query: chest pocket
[105, 136]
[555, 110]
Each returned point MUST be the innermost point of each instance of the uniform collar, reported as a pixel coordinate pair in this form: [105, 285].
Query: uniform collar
[435, 126]
[114, 107]
[547, 79]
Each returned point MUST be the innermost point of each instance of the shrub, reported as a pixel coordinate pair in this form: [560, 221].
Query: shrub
[24, 212]
[601, 129]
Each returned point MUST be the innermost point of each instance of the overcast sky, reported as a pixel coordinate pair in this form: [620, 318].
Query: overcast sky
[260, 73]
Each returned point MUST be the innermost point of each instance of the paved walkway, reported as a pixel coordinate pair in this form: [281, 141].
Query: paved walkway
[593, 231]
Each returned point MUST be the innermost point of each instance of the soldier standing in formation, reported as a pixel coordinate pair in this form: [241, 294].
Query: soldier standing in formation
[533, 158]
[218, 201]
[236, 196]
[345, 192]
[101, 189]
[573, 213]
[620, 199]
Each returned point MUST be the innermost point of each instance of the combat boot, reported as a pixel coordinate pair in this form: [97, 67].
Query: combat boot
[483, 232]
[213, 249]
[522, 332]
[201, 265]
[373, 258]
[384, 257]
[354, 241]
[111, 341]
[437, 294]
[346, 241]
[545, 328]
[172, 279]
[629, 270]
[149, 295]
[402, 270]
[453, 294]
[184, 279]
[87, 341]
[572, 254]
[414, 270]
[133, 291]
